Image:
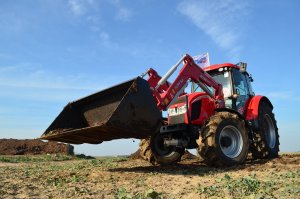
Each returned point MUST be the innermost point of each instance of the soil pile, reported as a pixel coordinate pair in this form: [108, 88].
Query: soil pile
[33, 147]
[136, 155]
[186, 156]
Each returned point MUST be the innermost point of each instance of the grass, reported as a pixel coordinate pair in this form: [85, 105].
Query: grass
[36, 158]
[149, 193]
[251, 186]
[55, 176]
[52, 157]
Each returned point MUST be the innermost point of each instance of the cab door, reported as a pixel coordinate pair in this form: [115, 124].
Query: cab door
[242, 91]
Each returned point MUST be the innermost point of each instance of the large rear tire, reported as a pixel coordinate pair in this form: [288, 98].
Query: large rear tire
[224, 140]
[265, 142]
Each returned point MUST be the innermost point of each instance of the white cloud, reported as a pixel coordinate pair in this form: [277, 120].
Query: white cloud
[79, 7]
[106, 41]
[76, 7]
[82, 7]
[123, 14]
[283, 95]
[11, 22]
[32, 81]
[29, 75]
[221, 20]
[88, 10]
[280, 95]
[104, 36]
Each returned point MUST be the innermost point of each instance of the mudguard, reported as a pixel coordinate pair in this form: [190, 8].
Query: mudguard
[253, 107]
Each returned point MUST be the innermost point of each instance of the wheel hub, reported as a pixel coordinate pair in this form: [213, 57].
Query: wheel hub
[160, 148]
[226, 141]
[231, 141]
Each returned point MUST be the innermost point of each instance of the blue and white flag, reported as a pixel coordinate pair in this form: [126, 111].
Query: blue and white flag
[202, 60]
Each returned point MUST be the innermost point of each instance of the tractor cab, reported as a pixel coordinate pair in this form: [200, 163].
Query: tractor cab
[236, 84]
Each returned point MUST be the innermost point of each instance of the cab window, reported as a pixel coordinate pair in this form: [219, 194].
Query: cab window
[242, 90]
[223, 78]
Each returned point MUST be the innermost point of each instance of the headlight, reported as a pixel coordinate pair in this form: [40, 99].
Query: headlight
[177, 111]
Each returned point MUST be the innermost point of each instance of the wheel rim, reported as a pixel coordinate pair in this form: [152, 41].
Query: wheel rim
[231, 141]
[269, 131]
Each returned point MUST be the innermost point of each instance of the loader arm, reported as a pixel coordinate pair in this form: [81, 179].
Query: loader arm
[153, 80]
[164, 92]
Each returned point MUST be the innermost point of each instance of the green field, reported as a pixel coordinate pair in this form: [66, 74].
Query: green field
[60, 176]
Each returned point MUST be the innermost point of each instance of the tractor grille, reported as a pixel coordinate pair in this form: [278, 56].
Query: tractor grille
[177, 119]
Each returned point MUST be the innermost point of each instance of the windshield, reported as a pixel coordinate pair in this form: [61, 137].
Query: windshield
[222, 78]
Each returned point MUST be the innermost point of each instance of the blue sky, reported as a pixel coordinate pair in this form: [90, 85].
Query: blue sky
[55, 51]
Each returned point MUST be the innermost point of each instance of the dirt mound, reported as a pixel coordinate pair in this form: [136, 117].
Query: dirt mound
[136, 155]
[186, 156]
[33, 147]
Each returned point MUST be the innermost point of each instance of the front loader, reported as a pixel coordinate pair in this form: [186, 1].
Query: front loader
[221, 117]
[127, 110]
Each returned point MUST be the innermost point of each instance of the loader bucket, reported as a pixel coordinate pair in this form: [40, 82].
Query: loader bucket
[127, 110]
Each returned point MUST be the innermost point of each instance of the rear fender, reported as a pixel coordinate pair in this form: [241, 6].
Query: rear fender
[252, 110]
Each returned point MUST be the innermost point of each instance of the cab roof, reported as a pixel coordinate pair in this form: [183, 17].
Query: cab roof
[217, 66]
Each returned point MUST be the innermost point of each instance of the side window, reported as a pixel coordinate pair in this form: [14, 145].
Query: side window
[241, 87]
[249, 85]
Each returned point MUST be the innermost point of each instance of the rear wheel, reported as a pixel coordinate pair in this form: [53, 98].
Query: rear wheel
[224, 140]
[265, 142]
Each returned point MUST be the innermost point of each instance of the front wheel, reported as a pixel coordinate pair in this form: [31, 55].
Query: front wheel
[155, 151]
[224, 140]
[164, 154]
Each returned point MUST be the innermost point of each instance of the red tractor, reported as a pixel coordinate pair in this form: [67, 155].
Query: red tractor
[222, 117]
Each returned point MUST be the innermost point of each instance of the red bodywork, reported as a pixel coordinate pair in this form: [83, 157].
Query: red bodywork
[252, 108]
[191, 71]
[206, 110]
[217, 66]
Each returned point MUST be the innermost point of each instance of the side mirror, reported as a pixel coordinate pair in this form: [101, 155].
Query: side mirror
[250, 78]
[243, 67]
